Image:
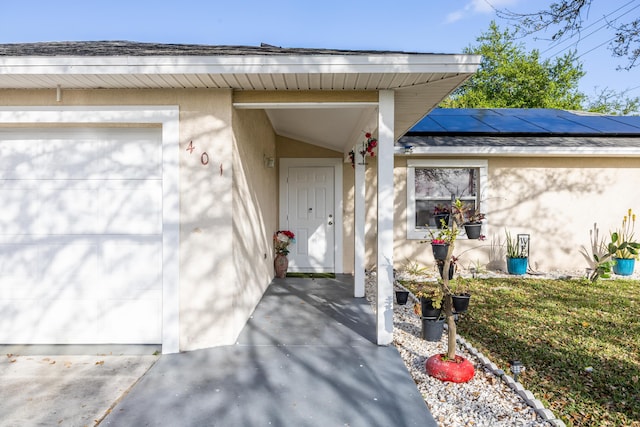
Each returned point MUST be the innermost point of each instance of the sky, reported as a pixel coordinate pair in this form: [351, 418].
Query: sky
[431, 26]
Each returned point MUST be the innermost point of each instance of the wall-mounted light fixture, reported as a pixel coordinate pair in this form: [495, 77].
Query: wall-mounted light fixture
[269, 162]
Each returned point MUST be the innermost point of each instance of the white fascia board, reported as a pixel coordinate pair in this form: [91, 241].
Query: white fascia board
[321, 64]
[523, 152]
[302, 105]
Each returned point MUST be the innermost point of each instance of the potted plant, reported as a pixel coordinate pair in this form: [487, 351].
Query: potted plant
[441, 214]
[429, 308]
[402, 297]
[470, 218]
[517, 255]
[473, 225]
[623, 247]
[281, 241]
[461, 295]
[598, 257]
[429, 295]
[441, 240]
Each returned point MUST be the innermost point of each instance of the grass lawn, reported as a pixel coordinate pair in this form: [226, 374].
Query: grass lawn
[579, 341]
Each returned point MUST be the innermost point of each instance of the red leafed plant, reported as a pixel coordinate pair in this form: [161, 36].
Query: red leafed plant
[367, 149]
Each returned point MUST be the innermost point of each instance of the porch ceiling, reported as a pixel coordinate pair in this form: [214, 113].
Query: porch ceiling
[420, 81]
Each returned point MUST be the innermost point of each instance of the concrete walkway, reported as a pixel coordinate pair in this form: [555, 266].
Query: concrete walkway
[305, 358]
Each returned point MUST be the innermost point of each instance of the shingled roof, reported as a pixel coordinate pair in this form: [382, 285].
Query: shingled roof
[127, 48]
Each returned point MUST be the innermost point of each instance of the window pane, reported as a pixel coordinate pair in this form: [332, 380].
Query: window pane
[434, 186]
[424, 212]
[443, 182]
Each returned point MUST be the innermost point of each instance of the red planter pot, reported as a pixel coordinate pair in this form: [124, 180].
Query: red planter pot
[459, 370]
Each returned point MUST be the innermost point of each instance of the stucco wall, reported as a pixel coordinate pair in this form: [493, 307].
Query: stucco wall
[255, 212]
[555, 200]
[206, 265]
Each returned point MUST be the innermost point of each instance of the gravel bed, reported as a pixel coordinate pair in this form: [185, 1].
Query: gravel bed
[486, 400]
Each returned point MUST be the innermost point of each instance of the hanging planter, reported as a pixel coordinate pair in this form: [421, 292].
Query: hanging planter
[452, 268]
[432, 329]
[441, 220]
[440, 250]
[473, 230]
[460, 302]
[428, 310]
[402, 297]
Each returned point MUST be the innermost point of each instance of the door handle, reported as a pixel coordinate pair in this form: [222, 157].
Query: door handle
[330, 219]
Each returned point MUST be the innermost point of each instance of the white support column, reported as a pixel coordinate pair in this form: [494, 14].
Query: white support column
[384, 321]
[359, 228]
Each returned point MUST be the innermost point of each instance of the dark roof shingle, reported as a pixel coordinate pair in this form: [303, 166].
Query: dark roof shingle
[127, 48]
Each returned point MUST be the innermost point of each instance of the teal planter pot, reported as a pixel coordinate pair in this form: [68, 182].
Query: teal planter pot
[624, 266]
[517, 266]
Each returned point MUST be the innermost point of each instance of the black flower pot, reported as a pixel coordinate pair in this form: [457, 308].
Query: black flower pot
[473, 230]
[439, 218]
[451, 270]
[460, 302]
[432, 329]
[402, 297]
[427, 308]
[440, 250]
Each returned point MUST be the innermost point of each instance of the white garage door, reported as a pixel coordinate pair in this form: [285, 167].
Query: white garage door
[80, 235]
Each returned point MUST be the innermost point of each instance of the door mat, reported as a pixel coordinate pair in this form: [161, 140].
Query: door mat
[313, 275]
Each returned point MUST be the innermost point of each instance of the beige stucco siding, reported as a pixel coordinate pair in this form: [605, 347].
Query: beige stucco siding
[255, 210]
[555, 200]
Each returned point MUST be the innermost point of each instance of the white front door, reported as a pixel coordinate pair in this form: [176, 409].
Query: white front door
[310, 214]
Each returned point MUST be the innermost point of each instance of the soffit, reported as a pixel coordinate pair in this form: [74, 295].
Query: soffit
[420, 81]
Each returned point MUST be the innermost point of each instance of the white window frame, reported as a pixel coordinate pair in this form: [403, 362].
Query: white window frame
[414, 233]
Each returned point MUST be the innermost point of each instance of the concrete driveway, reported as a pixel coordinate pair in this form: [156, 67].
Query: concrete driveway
[65, 390]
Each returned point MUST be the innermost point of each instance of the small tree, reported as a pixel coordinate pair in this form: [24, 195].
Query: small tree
[444, 284]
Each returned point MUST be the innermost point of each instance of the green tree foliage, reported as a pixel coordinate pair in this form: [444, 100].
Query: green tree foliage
[608, 101]
[510, 77]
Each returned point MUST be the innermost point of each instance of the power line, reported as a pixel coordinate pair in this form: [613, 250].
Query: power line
[579, 34]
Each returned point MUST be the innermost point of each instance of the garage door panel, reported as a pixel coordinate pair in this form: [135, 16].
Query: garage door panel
[69, 158]
[73, 266]
[18, 213]
[19, 265]
[131, 209]
[133, 158]
[63, 321]
[124, 320]
[67, 211]
[18, 158]
[131, 267]
[68, 321]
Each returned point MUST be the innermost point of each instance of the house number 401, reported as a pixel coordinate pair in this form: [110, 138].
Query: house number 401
[204, 157]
